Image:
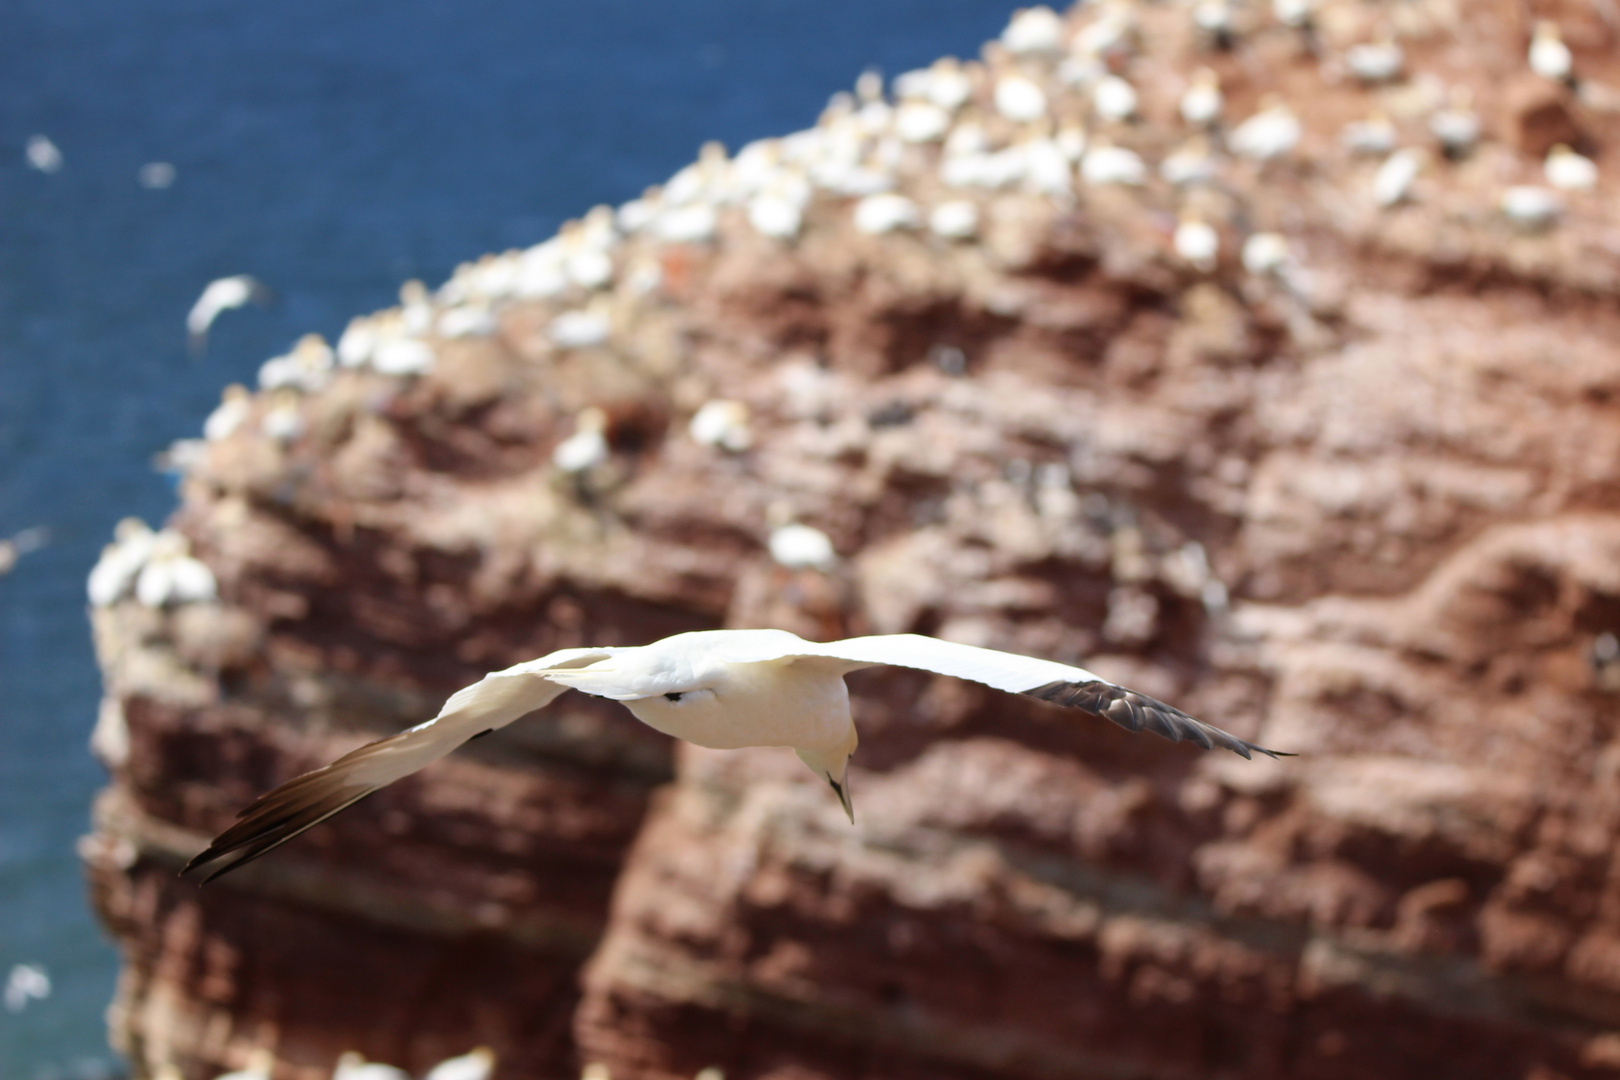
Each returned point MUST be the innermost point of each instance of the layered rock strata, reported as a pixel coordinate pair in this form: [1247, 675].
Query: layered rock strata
[1318, 441]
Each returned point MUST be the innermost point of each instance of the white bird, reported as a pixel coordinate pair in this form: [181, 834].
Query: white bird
[1017, 98]
[1197, 242]
[954, 220]
[1549, 57]
[354, 1066]
[878, 214]
[1106, 164]
[1294, 13]
[1114, 99]
[173, 575]
[260, 1063]
[797, 546]
[691, 224]
[121, 562]
[25, 983]
[1375, 61]
[1034, 30]
[921, 122]
[1568, 171]
[1456, 127]
[156, 175]
[397, 355]
[1202, 101]
[477, 1064]
[948, 85]
[1269, 133]
[42, 154]
[1374, 136]
[1530, 207]
[15, 547]
[722, 689]
[775, 216]
[1190, 163]
[1265, 253]
[283, 421]
[221, 295]
[581, 329]
[233, 408]
[723, 424]
[1394, 178]
[587, 446]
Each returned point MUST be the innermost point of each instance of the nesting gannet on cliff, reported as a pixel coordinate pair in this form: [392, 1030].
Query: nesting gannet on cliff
[476, 1064]
[878, 214]
[1549, 57]
[1265, 253]
[587, 446]
[1269, 133]
[1568, 171]
[1374, 136]
[948, 85]
[1114, 99]
[1107, 164]
[1294, 13]
[221, 295]
[1019, 99]
[1394, 178]
[172, 575]
[1530, 207]
[1190, 163]
[1197, 242]
[1202, 101]
[722, 689]
[1375, 61]
[233, 408]
[957, 219]
[1033, 31]
[723, 424]
[921, 122]
[1456, 127]
[121, 562]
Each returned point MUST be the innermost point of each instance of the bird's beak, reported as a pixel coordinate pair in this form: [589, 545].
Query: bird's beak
[842, 791]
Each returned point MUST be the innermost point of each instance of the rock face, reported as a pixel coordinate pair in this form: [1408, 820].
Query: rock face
[1346, 482]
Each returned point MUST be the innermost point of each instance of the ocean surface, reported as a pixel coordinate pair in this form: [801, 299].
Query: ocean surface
[333, 150]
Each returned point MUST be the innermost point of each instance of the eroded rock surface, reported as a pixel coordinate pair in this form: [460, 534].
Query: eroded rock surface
[1352, 490]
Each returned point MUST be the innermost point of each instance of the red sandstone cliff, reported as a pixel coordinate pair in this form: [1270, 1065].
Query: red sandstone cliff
[1362, 503]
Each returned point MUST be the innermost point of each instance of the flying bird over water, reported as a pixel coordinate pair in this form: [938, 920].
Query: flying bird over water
[222, 294]
[723, 689]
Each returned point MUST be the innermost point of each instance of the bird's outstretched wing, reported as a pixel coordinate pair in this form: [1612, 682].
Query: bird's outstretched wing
[305, 801]
[1044, 679]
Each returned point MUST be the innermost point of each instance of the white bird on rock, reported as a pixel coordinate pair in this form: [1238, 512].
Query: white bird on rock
[722, 689]
[221, 295]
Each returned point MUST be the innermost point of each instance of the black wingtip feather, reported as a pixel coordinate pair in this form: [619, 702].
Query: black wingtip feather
[1138, 712]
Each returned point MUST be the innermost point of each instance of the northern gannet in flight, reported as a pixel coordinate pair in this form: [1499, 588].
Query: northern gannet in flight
[220, 295]
[723, 689]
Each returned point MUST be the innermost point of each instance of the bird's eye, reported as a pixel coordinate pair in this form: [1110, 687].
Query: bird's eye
[673, 697]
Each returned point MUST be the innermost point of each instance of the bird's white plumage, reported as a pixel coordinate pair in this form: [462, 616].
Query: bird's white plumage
[723, 689]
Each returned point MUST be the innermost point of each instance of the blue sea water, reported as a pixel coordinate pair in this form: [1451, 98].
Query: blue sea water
[332, 148]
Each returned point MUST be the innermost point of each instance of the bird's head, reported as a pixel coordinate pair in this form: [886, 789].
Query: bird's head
[833, 767]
